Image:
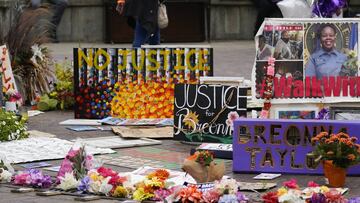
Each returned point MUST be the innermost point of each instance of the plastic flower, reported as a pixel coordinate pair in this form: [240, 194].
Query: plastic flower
[141, 195]
[5, 175]
[120, 192]
[292, 184]
[211, 196]
[68, 182]
[230, 198]
[312, 184]
[84, 184]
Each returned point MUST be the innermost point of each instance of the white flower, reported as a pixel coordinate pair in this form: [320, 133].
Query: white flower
[94, 186]
[5, 175]
[226, 184]
[105, 188]
[37, 53]
[68, 182]
[292, 196]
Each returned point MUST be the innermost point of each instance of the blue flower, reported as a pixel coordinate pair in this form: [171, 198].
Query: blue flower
[84, 184]
[228, 199]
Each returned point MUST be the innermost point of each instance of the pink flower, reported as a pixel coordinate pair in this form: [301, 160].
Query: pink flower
[313, 184]
[233, 115]
[22, 179]
[72, 153]
[211, 196]
[106, 172]
[292, 184]
[89, 162]
[66, 167]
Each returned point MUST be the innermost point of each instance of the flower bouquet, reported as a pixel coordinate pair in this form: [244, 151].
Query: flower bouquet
[33, 178]
[314, 193]
[76, 163]
[202, 167]
[338, 152]
[12, 127]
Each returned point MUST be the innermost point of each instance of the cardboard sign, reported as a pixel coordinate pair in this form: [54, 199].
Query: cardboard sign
[134, 83]
[283, 146]
[8, 81]
[205, 113]
[316, 60]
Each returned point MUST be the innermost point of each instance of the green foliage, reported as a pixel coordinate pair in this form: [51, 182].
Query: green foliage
[46, 104]
[62, 95]
[12, 127]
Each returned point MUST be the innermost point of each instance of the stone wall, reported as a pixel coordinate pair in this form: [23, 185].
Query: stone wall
[84, 20]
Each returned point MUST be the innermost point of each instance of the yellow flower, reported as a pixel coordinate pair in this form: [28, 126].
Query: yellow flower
[120, 191]
[154, 182]
[141, 195]
[324, 189]
[191, 119]
[95, 177]
[282, 191]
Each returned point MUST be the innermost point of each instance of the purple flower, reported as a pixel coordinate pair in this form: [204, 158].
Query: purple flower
[161, 194]
[241, 197]
[46, 181]
[84, 184]
[354, 200]
[327, 8]
[318, 198]
[324, 114]
[228, 199]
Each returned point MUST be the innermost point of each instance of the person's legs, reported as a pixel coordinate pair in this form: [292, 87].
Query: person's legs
[155, 39]
[139, 35]
[60, 6]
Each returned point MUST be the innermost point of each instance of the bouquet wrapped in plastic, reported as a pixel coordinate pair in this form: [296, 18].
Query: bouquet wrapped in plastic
[202, 167]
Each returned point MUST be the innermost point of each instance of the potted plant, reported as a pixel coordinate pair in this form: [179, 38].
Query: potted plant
[12, 100]
[338, 152]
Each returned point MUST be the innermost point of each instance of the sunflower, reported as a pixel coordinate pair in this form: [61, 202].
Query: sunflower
[191, 119]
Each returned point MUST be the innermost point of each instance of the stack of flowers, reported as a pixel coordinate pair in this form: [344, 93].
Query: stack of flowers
[33, 178]
[153, 187]
[224, 191]
[74, 167]
[104, 181]
[314, 193]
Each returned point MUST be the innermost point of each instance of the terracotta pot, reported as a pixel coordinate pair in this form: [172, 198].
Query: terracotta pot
[335, 175]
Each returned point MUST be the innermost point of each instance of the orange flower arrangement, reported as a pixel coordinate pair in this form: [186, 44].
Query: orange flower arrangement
[340, 148]
[143, 100]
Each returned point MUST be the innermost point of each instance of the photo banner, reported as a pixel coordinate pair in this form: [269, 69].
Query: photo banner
[205, 113]
[134, 82]
[317, 60]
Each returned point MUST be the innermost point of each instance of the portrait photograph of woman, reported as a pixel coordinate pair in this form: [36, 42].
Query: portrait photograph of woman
[331, 50]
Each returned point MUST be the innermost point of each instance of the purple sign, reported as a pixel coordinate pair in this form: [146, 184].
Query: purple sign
[283, 146]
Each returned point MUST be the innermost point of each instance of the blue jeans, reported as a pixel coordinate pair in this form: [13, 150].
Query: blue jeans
[142, 37]
[59, 8]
